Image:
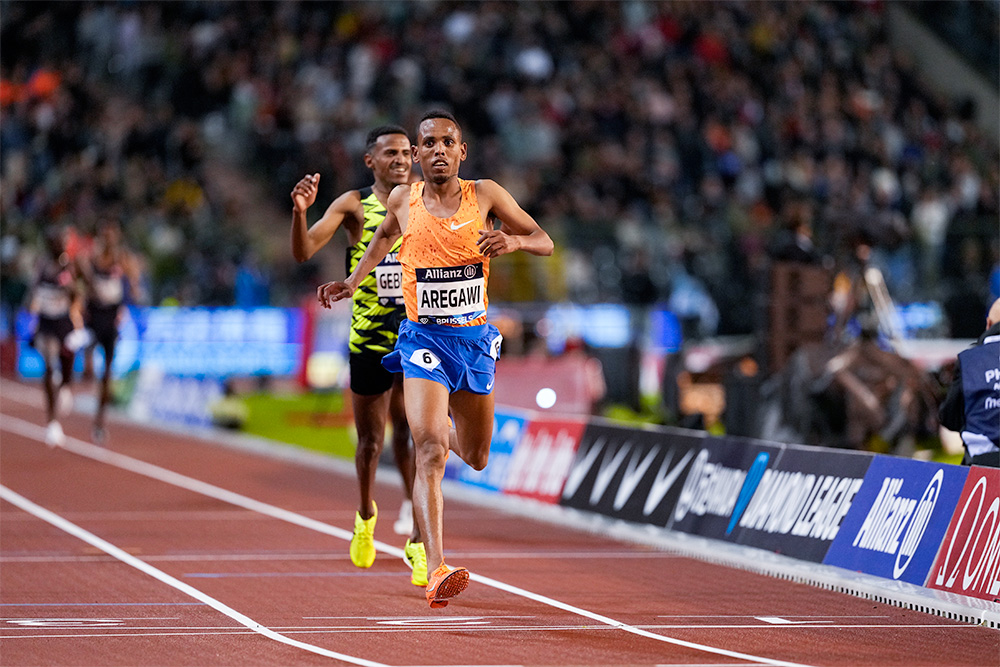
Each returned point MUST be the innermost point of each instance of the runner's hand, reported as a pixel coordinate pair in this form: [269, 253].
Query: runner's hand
[304, 192]
[494, 242]
[332, 292]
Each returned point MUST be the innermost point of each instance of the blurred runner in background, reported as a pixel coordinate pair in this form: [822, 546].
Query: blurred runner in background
[59, 333]
[110, 274]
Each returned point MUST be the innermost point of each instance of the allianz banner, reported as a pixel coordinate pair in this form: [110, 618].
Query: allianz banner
[628, 473]
[898, 519]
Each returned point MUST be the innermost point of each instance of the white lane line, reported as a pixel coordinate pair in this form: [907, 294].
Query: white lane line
[179, 558]
[160, 575]
[138, 631]
[785, 616]
[628, 628]
[35, 432]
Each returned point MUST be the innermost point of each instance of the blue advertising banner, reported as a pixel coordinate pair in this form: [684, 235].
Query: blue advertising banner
[507, 430]
[173, 399]
[219, 342]
[194, 342]
[898, 519]
[801, 501]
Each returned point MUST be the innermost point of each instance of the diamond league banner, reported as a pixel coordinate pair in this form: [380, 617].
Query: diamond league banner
[722, 478]
[898, 519]
[628, 473]
[800, 502]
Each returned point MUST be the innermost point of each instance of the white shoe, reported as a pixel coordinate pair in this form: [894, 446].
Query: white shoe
[64, 401]
[404, 524]
[54, 436]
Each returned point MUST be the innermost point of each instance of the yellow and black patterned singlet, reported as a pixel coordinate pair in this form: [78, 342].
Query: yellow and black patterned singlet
[378, 302]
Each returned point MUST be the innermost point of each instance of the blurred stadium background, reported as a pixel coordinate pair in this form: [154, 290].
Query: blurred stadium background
[706, 169]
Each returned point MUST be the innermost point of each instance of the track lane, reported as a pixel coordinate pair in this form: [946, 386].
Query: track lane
[640, 590]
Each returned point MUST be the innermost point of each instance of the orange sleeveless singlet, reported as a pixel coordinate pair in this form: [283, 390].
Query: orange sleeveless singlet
[444, 273]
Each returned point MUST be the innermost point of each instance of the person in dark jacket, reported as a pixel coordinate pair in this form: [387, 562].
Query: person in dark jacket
[972, 406]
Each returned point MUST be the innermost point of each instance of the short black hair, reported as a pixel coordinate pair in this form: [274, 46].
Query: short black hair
[382, 130]
[439, 113]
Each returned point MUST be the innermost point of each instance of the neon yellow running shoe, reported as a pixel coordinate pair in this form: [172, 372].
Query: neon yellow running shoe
[363, 542]
[416, 558]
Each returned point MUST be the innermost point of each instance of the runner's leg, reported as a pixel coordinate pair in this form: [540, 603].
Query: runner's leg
[401, 448]
[48, 346]
[369, 419]
[105, 391]
[473, 414]
[427, 413]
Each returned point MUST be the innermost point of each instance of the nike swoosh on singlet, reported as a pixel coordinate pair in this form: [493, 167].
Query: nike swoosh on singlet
[455, 227]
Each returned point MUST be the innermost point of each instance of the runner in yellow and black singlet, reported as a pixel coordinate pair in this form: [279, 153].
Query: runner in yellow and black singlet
[378, 305]
[377, 311]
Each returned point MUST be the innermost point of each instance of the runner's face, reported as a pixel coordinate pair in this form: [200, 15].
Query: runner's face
[110, 234]
[390, 160]
[439, 149]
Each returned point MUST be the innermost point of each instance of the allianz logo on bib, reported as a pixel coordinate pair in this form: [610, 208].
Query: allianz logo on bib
[883, 528]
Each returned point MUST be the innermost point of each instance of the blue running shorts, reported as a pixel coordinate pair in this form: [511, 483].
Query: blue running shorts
[460, 358]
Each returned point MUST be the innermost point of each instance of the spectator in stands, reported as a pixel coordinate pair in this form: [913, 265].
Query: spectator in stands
[688, 116]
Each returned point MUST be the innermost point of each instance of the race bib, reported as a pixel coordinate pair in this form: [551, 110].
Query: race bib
[52, 301]
[108, 290]
[452, 295]
[389, 280]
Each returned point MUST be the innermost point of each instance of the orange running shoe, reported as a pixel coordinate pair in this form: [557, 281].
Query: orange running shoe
[445, 583]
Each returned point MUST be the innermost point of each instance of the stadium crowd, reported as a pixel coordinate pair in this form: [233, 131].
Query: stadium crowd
[671, 149]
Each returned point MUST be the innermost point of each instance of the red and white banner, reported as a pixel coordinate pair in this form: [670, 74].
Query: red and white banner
[543, 458]
[968, 561]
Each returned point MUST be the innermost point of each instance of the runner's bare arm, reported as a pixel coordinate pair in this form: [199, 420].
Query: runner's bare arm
[518, 231]
[382, 241]
[307, 240]
[133, 272]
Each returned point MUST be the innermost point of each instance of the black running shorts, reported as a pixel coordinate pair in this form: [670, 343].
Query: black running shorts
[103, 322]
[368, 376]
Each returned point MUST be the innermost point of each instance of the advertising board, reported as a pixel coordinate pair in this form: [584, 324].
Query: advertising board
[630, 474]
[800, 501]
[968, 561]
[898, 519]
[542, 460]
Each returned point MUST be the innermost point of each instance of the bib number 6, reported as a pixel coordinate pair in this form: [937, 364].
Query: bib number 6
[425, 359]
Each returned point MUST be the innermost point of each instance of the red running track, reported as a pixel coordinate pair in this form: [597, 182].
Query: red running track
[165, 549]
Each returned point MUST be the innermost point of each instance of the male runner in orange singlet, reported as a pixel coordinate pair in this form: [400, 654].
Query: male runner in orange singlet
[446, 350]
